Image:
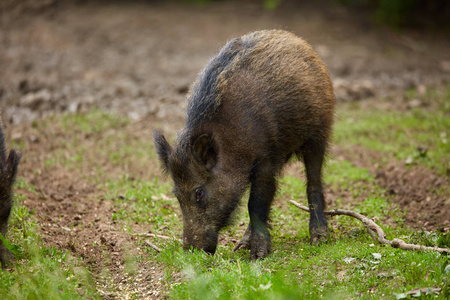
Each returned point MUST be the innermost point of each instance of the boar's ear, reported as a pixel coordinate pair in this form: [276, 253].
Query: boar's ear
[204, 151]
[8, 164]
[163, 148]
[12, 163]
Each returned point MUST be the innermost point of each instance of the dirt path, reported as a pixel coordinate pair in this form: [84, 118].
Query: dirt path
[75, 214]
[417, 189]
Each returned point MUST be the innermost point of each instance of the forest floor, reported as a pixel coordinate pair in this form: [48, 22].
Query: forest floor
[83, 86]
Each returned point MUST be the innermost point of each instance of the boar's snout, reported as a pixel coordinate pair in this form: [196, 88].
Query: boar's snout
[206, 241]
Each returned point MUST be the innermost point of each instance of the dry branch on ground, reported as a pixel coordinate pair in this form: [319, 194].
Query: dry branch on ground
[375, 231]
[147, 242]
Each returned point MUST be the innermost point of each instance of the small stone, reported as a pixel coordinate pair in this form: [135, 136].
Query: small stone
[414, 103]
[74, 107]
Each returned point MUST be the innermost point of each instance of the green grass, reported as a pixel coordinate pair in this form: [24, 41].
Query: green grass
[300, 270]
[417, 136]
[93, 122]
[40, 272]
[104, 150]
[347, 266]
[144, 202]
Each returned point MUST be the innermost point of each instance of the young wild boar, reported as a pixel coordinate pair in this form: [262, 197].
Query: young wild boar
[265, 98]
[8, 171]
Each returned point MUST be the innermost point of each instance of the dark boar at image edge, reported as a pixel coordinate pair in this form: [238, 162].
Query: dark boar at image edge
[8, 172]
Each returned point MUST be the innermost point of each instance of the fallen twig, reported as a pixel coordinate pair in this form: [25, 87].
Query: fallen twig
[107, 293]
[424, 291]
[375, 231]
[152, 245]
[154, 235]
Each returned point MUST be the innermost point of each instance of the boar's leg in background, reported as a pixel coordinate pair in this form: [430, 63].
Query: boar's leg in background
[313, 154]
[263, 188]
[8, 171]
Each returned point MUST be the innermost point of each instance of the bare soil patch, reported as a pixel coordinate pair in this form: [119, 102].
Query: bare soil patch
[419, 191]
[75, 215]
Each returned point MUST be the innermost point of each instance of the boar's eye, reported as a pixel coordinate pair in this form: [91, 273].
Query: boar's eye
[199, 194]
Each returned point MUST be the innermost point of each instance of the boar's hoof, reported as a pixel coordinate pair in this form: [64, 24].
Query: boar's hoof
[318, 235]
[257, 242]
[261, 246]
[245, 243]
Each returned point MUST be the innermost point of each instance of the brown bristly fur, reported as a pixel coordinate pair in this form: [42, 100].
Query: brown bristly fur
[265, 98]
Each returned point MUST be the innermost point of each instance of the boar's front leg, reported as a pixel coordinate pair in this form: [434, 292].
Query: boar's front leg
[263, 188]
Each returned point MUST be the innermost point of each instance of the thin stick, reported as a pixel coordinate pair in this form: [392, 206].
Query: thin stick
[154, 235]
[375, 231]
[152, 245]
[425, 291]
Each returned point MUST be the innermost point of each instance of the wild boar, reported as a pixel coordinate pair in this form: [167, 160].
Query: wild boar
[8, 170]
[264, 99]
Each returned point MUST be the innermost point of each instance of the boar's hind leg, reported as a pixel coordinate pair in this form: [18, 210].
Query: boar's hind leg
[263, 188]
[313, 155]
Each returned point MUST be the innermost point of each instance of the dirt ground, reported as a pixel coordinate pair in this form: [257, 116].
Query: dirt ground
[138, 60]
